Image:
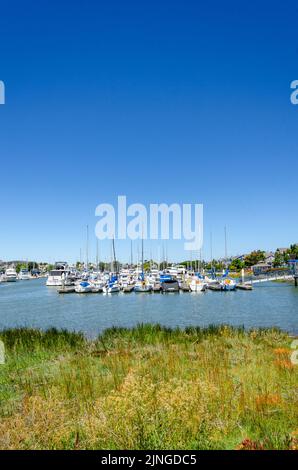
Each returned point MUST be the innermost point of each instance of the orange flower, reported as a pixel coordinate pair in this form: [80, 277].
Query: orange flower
[248, 444]
[268, 400]
[284, 364]
[281, 351]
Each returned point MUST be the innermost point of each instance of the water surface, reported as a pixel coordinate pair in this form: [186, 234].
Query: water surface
[33, 304]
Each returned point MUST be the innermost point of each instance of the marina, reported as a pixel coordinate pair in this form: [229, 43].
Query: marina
[33, 304]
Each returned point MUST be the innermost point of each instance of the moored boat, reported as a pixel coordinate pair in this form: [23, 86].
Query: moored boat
[169, 285]
[244, 286]
[10, 275]
[83, 287]
[24, 275]
[228, 284]
[197, 285]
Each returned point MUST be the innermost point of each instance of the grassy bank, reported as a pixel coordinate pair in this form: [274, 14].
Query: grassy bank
[148, 388]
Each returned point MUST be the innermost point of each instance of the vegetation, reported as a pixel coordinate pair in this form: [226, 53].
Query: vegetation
[236, 265]
[20, 266]
[254, 257]
[148, 388]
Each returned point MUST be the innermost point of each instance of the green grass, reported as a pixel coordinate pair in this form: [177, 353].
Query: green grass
[148, 387]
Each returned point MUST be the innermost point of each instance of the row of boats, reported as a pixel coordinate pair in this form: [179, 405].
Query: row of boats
[136, 280]
[10, 275]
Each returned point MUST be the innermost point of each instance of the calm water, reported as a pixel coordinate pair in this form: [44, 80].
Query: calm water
[31, 303]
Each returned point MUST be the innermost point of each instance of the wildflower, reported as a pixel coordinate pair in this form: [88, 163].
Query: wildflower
[248, 444]
[294, 441]
[281, 351]
[268, 400]
[284, 364]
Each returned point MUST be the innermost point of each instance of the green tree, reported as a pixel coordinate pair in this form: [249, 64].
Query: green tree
[32, 265]
[254, 257]
[293, 251]
[278, 259]
[19, 266]
[236, 265]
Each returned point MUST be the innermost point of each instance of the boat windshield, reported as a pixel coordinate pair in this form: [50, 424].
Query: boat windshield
[56, 273]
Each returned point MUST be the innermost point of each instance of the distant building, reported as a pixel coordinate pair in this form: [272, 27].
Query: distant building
[261, 268]
[282, 250]
[269, 257]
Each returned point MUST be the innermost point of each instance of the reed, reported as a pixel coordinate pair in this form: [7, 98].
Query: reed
[148, 387]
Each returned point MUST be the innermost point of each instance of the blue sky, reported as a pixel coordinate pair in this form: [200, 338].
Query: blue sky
[179, 101]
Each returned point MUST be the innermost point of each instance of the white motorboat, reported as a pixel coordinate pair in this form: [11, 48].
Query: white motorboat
[11, 275]
[24, 275]
[58, 276]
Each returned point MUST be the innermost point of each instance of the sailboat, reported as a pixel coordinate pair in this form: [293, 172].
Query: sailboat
[197, 284]
[227, 283]
[83, 287]
[141, 284]
[112, 285]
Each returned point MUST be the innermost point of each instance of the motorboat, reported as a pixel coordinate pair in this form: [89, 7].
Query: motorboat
[24, 275]
[59, 276]
[169, 284]
[244, 286]
[10, 275]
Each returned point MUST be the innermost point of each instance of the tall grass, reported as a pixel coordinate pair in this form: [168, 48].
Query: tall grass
[148, 387]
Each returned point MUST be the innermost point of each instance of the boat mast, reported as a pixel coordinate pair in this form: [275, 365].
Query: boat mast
[142, 253]
[97, 254]
[226, 250]
[87, 247]
[114, 255]
[211, 254]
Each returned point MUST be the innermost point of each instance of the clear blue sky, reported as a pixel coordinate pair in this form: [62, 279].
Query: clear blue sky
[163, 101]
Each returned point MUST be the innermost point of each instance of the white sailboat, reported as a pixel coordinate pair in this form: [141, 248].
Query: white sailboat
[197, 285]
[83, 287]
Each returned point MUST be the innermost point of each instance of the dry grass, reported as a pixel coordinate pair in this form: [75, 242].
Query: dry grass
[148, 388]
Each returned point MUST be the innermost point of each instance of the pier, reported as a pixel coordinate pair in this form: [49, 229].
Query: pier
[287, 277]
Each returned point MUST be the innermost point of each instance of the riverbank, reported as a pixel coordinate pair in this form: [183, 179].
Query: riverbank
[148, 388]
